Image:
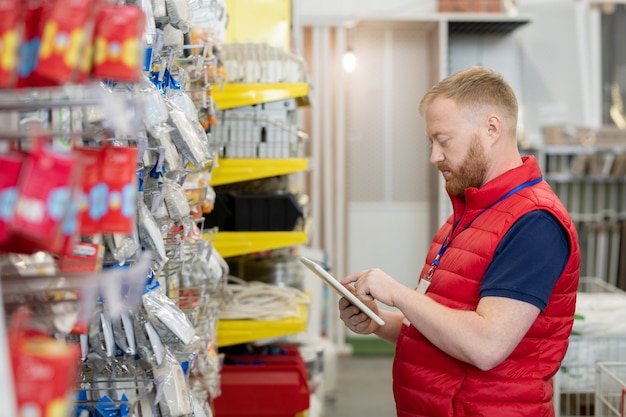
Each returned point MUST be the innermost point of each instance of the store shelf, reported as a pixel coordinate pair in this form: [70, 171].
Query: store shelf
[483, 23]
[234, 332]
[230, 244]
[230, 170]
[239, 95]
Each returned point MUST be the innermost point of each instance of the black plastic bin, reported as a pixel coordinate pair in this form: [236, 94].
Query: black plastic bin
[254, 212]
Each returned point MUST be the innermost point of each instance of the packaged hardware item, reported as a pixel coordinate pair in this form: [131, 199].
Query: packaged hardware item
[44, 372]
[67, 26]
[171, 323]
[31, 40]
[11, 23]
[44, 199]
[11, 166]
[118, 43]
[92, 202]
[118, 174]
[175, 400]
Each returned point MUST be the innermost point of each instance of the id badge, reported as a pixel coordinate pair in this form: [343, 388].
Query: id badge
[425, 280]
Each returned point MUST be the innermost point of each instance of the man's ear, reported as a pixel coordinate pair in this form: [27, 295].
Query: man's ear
[494, 127]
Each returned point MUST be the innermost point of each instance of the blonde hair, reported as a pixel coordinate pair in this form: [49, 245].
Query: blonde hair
[475, 89]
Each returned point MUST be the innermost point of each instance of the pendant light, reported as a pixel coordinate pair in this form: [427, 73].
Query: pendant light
[349, 58]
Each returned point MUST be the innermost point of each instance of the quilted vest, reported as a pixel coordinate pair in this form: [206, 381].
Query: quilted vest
[428, 382]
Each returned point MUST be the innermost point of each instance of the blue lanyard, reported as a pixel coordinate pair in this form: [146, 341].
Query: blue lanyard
[448, 240]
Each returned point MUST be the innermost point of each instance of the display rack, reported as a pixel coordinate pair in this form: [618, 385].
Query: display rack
[234, 170]
[590, 180]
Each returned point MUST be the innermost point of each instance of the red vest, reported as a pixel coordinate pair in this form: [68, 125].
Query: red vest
[428, 382]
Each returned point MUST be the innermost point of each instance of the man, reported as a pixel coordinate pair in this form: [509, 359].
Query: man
[488, 324]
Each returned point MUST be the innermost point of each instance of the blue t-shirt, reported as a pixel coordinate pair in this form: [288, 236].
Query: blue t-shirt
[529, 260]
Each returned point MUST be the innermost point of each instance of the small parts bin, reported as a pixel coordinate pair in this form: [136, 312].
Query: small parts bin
[272, 383]
[254, 212]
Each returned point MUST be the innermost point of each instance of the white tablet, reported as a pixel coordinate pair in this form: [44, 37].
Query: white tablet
[341, 290]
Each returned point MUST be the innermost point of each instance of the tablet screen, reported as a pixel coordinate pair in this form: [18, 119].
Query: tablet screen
[340, 289]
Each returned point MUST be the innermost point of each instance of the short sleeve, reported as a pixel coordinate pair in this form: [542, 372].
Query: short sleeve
[529, 260]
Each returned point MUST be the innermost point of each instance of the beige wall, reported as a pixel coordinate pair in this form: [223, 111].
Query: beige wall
[388, 174]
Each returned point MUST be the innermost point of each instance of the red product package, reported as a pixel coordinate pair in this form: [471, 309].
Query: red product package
[118, 43]
[64, 38]
[9, 175]
[84, 257]
[119, 167]
[44, 199]
[93, 199]
[10, 34]
[45, 373]
[31, 40]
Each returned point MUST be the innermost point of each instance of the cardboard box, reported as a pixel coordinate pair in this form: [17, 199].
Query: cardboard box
[470, 6]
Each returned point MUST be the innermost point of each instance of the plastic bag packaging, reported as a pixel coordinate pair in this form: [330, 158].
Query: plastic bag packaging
[173, 38]
[124, 381]
[175, 199]
[205, 270]
[172, 390]
[149, 233]
[101, 340]
[155, 111]
[122, 247]
[160, 137]
[148, 344]
[189, 137]
[159, 9]
[121, 286]
[158, 209]
[124, 333]
[185, 103]
[179, 14]
[170, 319]
[150, 31]
[205, 377]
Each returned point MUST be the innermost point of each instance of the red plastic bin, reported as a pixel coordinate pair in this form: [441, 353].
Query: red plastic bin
[264, 385]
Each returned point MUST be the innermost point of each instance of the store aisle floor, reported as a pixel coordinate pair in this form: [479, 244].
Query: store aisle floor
[363, 388]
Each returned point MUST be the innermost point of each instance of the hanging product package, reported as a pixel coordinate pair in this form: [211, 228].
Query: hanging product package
[189, 137]
[174, 400]
[9, 175]
[67, 26]
[168, 319]
[44, 199]
[31, 40]
[179, 14]
[149, 233]
[118, 43]
[118, 165]
[44, 370]
[175, 199]
[10, 37]
[155, 111]
[93, 200]
[160, 137]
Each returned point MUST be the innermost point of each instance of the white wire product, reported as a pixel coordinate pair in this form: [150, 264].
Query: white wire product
[610, 395]
[593, 340]
[260, 301]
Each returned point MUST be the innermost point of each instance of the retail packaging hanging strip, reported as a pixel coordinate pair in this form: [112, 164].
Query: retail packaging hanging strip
[487, 326]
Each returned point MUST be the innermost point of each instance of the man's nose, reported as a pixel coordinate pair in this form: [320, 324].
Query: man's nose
[436, 155]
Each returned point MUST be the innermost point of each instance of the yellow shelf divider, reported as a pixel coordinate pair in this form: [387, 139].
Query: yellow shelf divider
[234, 332]
[230, 170]
[233, 95]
